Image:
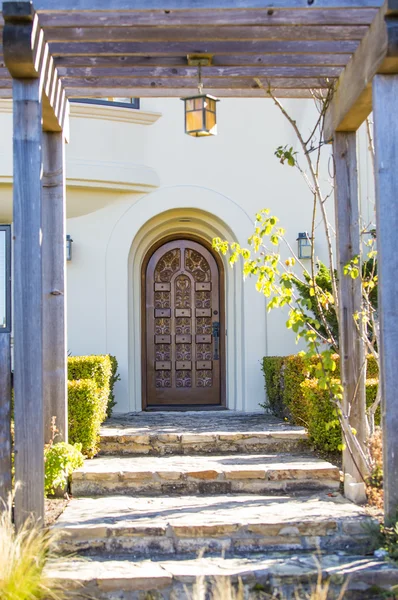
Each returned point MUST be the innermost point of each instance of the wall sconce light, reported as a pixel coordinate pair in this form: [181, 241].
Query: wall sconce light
[68, 247]
[200, 110]
[304, 245]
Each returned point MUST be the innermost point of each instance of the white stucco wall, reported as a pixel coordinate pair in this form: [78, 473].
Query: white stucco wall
[130, 184]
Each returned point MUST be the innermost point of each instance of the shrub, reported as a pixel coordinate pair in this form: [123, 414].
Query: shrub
[86, 411]
[323, 280]
[96, 368]
[114, 378]
[60, 460]
[272, 368]
[293, 393]
[296, 370]
[321, 415]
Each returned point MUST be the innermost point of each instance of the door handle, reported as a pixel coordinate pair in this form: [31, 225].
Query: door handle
[216, 338]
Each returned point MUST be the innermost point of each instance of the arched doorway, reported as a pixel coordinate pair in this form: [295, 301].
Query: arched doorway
[183, 327]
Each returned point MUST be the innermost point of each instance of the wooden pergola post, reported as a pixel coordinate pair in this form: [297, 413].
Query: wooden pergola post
[54, 286]
[39, 102]
[385, 106]
[352, 352]
[28, 301]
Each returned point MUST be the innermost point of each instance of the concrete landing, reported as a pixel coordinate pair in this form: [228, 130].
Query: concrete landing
[186, 475]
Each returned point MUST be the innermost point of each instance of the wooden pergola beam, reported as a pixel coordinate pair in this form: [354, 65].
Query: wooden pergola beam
[377, 53]
[119, 5]
[210, 17]
[27, 56]
[202, 33]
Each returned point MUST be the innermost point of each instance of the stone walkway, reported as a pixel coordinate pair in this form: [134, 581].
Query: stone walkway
[104, 577]
[156, 423]
[187, 474]
[245, 487]
[199, 432]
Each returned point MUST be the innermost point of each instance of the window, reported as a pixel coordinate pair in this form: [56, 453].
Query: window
[122, 102]
[5, 278]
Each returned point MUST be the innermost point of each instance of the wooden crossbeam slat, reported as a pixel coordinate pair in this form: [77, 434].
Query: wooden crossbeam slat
[128, 92]
[209, 83]
[184, 48]
[210, 17]
[116, 5]
[239, 60]
[192, 72]
[206, 33]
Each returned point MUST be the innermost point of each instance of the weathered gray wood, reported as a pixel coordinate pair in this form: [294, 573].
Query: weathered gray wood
[352, 353]
[210, 83]
[5, 417]
[211, 17]
[158, 92]
[54, 286]
[385, 105]
[196, 33]
[187, 47]
[28, 299]
[26, 55]
[377, 53]
[192, 72]
[115, 5]
[240, 60]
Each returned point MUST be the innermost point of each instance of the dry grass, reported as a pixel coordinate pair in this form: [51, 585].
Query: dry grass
[23, 555]
[222, 588]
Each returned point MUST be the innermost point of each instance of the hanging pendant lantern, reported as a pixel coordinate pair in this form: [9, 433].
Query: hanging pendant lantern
[200, 110]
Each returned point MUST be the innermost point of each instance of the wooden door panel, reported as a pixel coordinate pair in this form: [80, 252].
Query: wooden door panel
[182, 324]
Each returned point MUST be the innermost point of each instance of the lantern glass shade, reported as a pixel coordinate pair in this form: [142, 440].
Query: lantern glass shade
[200, 115]
[304, 245]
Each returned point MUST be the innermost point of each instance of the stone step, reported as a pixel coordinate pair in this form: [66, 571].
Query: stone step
[190, 475]
[146, 526]
[161, 434]
[126, 578]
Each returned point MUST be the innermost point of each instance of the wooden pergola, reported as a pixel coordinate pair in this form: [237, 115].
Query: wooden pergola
[54, 50]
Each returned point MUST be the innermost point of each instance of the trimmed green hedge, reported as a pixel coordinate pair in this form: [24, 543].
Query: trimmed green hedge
[322, 421]
[90, 397]
[86, 412]
[272, 370]
[293, 394]
[96, 368]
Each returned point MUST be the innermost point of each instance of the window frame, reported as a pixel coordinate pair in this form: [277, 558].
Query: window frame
[8, 298]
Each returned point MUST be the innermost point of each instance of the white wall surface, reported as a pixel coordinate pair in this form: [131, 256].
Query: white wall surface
[129, 184]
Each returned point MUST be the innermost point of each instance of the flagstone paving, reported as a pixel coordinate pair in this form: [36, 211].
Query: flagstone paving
[182, 475]
[126, 578]
[193, 432]
[245, 490]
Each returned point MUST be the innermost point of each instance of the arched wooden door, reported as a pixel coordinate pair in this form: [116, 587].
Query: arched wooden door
[183, 327]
